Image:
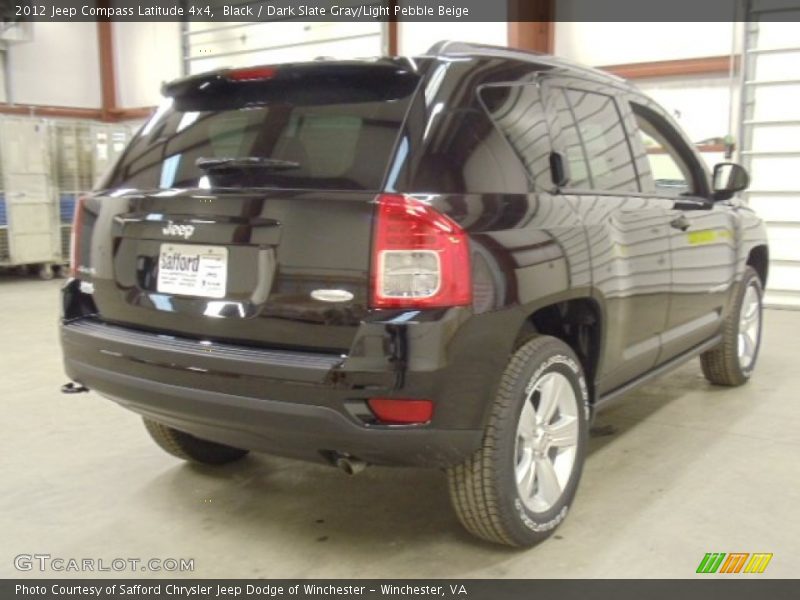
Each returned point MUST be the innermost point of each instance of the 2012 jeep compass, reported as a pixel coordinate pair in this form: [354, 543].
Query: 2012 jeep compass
[448, 261]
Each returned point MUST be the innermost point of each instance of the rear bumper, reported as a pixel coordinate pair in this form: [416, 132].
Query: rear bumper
[295, 404]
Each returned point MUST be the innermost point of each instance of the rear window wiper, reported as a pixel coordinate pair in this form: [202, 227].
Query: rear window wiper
[244, 162]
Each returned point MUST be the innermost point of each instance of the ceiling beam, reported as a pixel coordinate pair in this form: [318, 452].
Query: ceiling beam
[709, 65]
[72, 112]
[531, 25]
[129, 114]
[38, 110]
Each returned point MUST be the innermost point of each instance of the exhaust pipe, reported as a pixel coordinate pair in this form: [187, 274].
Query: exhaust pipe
[73, 388]
[350, 464]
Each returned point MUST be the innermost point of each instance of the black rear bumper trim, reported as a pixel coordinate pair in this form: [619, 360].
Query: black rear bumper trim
[177, 344]
[289, 429]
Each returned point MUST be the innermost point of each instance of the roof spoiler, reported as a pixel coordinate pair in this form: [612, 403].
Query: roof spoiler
[280, 72]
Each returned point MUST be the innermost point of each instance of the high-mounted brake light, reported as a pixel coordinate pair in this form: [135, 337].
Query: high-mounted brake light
[420, 257]
[251, 74]
[75, 237]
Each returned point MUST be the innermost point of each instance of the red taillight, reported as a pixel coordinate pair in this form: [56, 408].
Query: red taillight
[75, 237]
[420, 257]
[251, 74]
[392, 411]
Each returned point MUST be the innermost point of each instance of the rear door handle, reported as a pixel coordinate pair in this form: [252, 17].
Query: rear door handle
[680, 222]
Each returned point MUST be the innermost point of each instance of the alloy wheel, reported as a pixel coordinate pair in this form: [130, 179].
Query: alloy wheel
[547, 441]
[749, 327]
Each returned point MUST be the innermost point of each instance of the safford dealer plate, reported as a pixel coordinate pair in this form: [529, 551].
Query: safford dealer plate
[192, 270]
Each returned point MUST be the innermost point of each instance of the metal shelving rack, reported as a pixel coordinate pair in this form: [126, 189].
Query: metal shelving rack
[83, 151]
[29, 218]
[45, 166]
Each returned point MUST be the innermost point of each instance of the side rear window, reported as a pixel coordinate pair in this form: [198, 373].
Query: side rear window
[567, 140]
[594, 140]
[519, 113]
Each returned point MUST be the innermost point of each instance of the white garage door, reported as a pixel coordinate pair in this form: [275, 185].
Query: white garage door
[215, 45]
[771, 139]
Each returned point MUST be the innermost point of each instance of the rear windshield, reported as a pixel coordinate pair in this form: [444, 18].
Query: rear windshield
[327, 132]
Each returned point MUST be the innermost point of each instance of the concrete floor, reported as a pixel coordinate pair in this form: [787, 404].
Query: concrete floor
[691, 469]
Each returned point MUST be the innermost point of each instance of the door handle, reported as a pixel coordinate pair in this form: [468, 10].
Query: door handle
[680, 222]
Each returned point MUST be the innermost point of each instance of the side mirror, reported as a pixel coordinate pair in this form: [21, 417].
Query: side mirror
[559, 169]
[728, 179]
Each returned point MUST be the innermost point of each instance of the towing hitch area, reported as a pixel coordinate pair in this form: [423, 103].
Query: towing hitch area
[73, 388]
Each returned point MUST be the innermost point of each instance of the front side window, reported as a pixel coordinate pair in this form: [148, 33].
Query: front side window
[594, 141]
[669, 174]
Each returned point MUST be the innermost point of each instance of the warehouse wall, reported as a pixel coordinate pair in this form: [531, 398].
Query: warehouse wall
[416, 38]
[599, 44]
[3, 77]
[145, 54]
[701, 104]
[60, 66]
[258, 43]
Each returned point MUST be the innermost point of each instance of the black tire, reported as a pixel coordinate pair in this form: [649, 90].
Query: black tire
[484, 489]
[723, 364]
[191, 448]
[45, 272]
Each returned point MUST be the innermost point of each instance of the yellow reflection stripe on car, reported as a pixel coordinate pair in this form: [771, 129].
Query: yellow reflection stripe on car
[704, 236]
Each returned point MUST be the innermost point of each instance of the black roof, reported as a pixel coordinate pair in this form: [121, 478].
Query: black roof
[455, 48]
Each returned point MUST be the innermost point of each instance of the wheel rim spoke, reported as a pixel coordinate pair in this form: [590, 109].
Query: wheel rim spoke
[548, 487]
[549, 393]
[564, 432]
[526, 474]
[748, 348]
[527, 421]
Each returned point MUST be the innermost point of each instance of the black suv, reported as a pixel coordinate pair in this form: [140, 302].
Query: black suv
[451, 260]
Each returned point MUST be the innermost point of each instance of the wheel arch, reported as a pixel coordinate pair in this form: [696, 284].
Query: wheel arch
[577, 321]
[758, 258]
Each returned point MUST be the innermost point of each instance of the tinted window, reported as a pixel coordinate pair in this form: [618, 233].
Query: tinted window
[519, 113]
[593, 120]
[668, 173]
[340, 137]
[464, 153]
[567, 140]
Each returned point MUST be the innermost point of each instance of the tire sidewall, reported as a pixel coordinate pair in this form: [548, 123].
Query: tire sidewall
[526, 525]
[750, 278]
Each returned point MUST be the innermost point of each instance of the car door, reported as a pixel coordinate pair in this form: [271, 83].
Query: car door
[701, 234]
[628, 232]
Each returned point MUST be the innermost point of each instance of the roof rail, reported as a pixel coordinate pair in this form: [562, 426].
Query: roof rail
[448, 47]
[455, 47]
